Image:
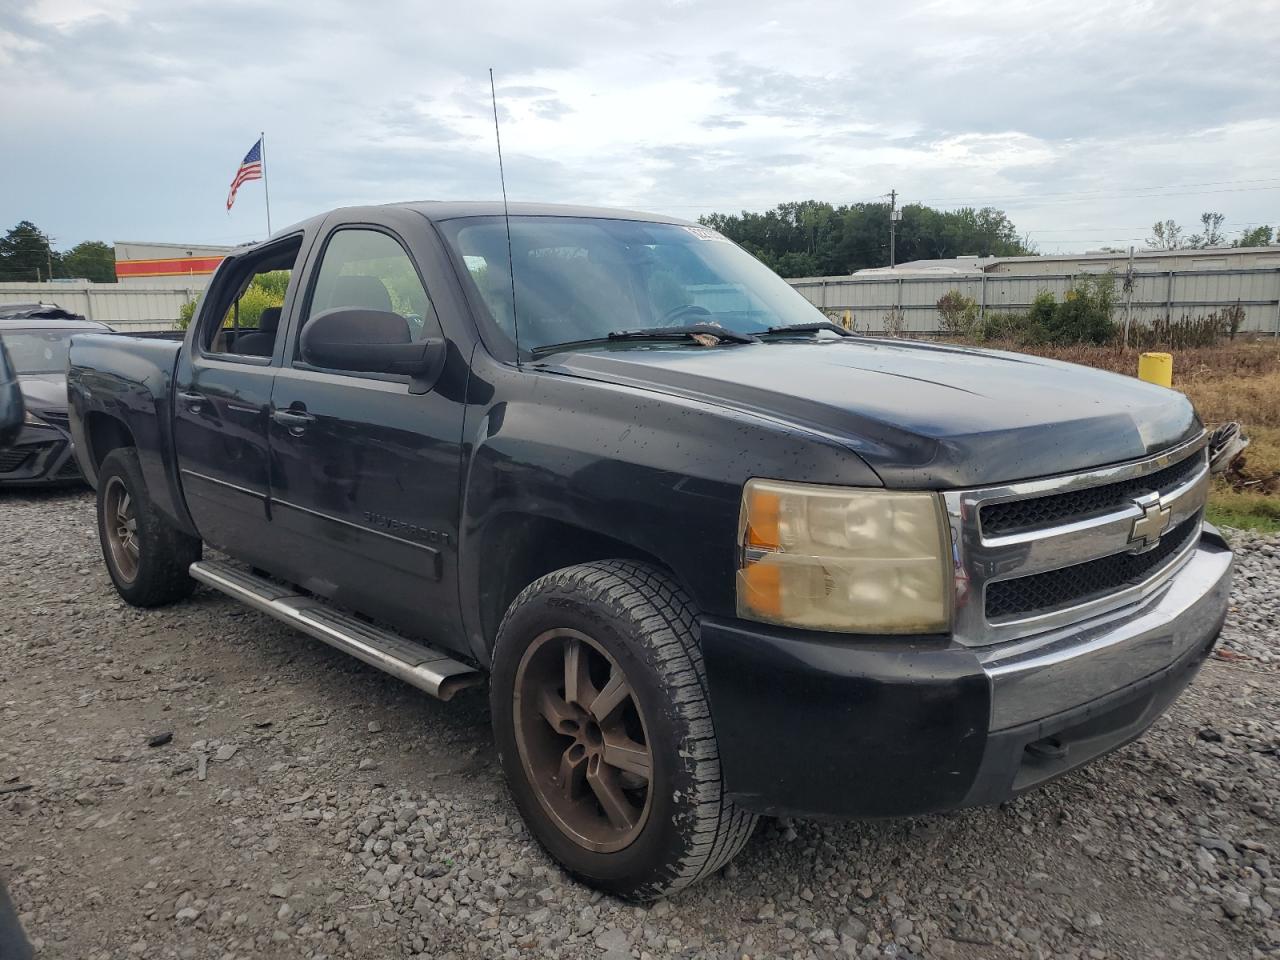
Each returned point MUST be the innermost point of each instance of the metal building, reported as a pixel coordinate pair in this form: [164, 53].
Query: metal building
[137, 261]
[153, 282]
[1164, 283]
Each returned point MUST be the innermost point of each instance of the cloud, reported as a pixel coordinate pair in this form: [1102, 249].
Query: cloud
[127, 118]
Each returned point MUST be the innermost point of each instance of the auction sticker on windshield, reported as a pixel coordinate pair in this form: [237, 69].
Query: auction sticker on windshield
[706, 233]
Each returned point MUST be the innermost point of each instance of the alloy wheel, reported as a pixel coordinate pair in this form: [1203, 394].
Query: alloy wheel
[582, 740]
[120, 524]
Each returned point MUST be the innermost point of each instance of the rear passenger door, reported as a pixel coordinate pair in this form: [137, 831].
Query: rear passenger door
[222, 396]
[364, 473]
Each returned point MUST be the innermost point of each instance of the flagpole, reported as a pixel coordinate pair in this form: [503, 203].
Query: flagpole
[265, 192]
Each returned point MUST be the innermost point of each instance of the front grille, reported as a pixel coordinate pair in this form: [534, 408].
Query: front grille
[13, 460]
[1042, 592]
[1017, 515]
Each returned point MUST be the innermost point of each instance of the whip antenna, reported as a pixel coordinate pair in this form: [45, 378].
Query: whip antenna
[506, 215]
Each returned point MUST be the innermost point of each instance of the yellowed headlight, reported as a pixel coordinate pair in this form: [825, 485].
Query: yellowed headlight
[843, 559]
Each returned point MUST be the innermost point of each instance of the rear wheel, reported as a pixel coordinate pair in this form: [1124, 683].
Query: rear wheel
[601, 717]
[147, 557]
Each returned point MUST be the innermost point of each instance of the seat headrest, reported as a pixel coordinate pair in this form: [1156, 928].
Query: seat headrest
[367, 292]
[269, 322]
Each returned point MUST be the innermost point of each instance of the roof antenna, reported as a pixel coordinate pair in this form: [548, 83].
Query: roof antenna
[506, 215]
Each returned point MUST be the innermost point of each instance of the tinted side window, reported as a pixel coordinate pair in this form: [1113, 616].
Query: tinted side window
[366, 268]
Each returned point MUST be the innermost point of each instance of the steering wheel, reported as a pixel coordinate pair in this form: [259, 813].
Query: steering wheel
[683, 310]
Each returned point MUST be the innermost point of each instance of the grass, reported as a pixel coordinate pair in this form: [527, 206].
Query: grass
[1246, 511]
[1240, 381]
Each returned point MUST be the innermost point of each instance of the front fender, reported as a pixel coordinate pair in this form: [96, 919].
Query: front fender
[660, 473]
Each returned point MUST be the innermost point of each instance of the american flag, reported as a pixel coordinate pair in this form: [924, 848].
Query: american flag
[250, 169]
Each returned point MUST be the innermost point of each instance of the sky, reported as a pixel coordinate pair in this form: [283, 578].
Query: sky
[1084, 121]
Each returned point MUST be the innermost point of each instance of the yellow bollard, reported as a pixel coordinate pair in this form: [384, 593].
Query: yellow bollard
[1156, 368]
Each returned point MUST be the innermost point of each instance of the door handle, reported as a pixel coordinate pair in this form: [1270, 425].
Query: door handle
[194, 401]
[296, 420]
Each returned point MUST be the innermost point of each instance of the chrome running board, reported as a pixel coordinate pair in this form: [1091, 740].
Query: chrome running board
[414, 663]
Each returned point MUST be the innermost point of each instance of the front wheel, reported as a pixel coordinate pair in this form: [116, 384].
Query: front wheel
[604, 731]
[147, 557]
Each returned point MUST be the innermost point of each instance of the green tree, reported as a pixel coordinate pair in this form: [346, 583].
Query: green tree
[1212, 235]
[1257, 237]
[26, 254]
[811, 237]
[1165, 235]
[91, 260]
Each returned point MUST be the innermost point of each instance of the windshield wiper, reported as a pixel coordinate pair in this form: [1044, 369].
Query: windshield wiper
[691, 332]
[659, 334]
[816, 327]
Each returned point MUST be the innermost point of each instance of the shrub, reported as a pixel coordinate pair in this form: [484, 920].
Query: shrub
[895, 322]
[1084, 316]
[256, 298]
[958, 314]
[1012, 326]
[1043, 307]
[1022, 328]
[1233, 319]
[265, 290]
[1206, 330]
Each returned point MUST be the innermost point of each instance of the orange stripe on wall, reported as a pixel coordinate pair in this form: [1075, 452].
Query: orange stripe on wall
[177, 267]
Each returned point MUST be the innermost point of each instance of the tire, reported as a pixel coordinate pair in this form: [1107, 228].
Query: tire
[628, 618]
[149, 563]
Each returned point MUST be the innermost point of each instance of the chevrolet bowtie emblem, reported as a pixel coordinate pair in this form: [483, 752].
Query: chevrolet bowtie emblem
[1150, 527]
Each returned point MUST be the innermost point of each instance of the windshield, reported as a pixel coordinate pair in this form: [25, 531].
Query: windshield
[39, 351]
[584, 278]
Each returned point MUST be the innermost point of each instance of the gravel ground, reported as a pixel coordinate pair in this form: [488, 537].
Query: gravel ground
[308, 806]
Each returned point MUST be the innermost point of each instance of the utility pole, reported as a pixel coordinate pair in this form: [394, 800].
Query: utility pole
[893, 227]
[1128, 297]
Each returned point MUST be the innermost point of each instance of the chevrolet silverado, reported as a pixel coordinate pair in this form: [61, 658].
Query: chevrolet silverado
[717, 557]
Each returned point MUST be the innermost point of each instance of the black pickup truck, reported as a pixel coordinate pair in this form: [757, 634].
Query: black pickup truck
[717, 557]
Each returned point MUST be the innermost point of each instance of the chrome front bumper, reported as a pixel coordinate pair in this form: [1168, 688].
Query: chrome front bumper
[1037, 677]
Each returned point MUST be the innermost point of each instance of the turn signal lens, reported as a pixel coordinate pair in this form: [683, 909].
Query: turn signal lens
[840, 559]
[762, 524]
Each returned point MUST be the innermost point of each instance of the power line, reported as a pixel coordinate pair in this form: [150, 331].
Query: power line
[1138, 193]
[1236, 224]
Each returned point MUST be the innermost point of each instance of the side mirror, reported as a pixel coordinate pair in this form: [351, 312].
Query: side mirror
[369, 341]
[11, 406]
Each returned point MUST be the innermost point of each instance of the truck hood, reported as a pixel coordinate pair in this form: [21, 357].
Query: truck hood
[44, 391]
[920, 414]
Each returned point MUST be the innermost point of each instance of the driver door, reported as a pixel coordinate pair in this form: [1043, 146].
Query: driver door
[364, 473]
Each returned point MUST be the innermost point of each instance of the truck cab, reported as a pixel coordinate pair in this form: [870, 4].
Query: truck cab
[715, 556]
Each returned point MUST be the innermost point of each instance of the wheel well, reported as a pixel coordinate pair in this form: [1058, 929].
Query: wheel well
[105, 433]
[524, 548]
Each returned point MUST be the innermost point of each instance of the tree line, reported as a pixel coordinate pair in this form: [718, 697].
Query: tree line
[1169, 235]
[814, 238]
[27, 254]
